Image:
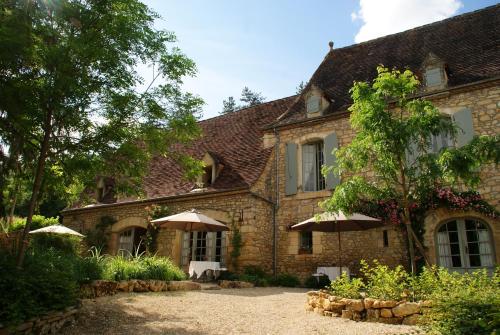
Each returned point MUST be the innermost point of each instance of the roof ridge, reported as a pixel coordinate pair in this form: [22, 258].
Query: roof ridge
[425, 26]
[247, 108]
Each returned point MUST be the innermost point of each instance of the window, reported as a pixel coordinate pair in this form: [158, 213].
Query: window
[305, 242]
[207, 176]
[130, 241]
[312, 161]
[433, 77]
[385, 237]
[203, 246]
[313, 104]
[464, 244]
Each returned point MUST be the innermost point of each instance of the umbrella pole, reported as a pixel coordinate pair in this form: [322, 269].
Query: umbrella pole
[340, 248]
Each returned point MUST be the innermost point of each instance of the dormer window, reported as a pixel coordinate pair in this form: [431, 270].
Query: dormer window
[315, 101]
[433, 77]
[212, 168]
[313, 104]
[207, 176]
[434, 73]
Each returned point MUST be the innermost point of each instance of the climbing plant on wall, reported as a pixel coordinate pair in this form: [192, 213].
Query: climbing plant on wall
[151, 237]
[98, 237]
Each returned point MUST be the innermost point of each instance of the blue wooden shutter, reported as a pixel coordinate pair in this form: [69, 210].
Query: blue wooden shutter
[463, 119]
[331, 143]
[291, 169]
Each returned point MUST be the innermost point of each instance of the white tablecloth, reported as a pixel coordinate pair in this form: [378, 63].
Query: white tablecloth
[198, 267]
[332, 271]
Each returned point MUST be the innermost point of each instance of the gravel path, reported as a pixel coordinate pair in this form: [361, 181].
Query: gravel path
[226, 311]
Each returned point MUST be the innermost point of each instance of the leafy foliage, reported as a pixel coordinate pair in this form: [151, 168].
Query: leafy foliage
[141, 267]
[236, 241]
[39, 221]
[286, 280]
[344, 287]
[46, 283]
[383, 282]
[154, 212]
[98, 236]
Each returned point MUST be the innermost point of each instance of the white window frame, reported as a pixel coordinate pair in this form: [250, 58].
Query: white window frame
[313, 158]
[213, 243]
[446, 257]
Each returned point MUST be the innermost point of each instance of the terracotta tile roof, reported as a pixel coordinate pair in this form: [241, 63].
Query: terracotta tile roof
[468, 44]
[234, 140]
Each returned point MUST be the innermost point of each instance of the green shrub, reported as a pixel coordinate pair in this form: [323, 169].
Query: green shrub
[45, 283]
[465, 304]
[383, 282]
[286, 280]
[344, 287]
[141, 267]
[254, 270]
[38, 221]
[91, 267]
[317, 282]
[228, 275]
[64, 243]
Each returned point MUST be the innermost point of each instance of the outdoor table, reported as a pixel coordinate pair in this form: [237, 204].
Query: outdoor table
[331, 271]
[196, 268]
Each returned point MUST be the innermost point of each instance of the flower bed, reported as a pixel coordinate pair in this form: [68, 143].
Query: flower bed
[367, 309]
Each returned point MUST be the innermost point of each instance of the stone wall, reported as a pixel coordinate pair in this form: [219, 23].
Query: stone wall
[249, 213]
[367, 309]
[367, 244]
[49, 323]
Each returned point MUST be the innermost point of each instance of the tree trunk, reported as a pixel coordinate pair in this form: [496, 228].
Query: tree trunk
[411, 249]
[47, 127]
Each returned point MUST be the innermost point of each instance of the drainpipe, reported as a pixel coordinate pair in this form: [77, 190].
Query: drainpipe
[276, 203]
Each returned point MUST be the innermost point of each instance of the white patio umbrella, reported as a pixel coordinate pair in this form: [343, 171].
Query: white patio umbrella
[338, 222]
[56, 229]
[191, 221]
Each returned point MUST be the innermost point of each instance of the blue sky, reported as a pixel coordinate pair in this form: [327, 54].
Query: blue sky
[271, 46]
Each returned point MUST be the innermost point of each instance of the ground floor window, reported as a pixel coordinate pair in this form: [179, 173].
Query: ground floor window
[305, 242]
[203, 246]
[465, 244]
[131, 241]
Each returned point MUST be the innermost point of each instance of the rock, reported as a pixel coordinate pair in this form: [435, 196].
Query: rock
[354, 305]
[384, 303]
[123, 286]
[412, 320]
[327, 313]
[309, 308]
[406, 308]
[141, 286]
[86, 291]
[372, 314]
[334, 298]
[386, 312]
[104, 287]
[183, 285]
[326, 304]
[346, 314]
[368, 303]
[312, 293]
[337, 307]
[313, 301]
[235, 284]
[356, 316]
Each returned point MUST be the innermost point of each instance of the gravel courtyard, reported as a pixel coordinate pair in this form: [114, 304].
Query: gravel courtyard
[226, 311]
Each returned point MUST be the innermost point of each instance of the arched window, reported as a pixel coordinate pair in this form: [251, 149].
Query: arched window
[464, 244]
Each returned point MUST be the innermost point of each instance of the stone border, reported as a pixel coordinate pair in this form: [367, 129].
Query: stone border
[49, 323]
[101, 288]
[367, 309]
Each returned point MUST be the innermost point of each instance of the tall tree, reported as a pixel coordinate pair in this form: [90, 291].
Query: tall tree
[68, 92]
[248, 98]
[394, 134]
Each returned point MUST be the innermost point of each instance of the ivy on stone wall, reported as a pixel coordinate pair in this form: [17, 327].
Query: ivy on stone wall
[151, 237]
[98, 237]
[236, 242]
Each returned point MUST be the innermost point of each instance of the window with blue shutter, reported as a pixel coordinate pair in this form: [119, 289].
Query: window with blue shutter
[291, 169]
[463, 120]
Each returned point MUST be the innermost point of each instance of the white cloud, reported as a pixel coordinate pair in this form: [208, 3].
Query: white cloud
[386, 17]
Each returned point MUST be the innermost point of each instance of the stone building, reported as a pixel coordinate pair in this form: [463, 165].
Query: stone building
[263, 163]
